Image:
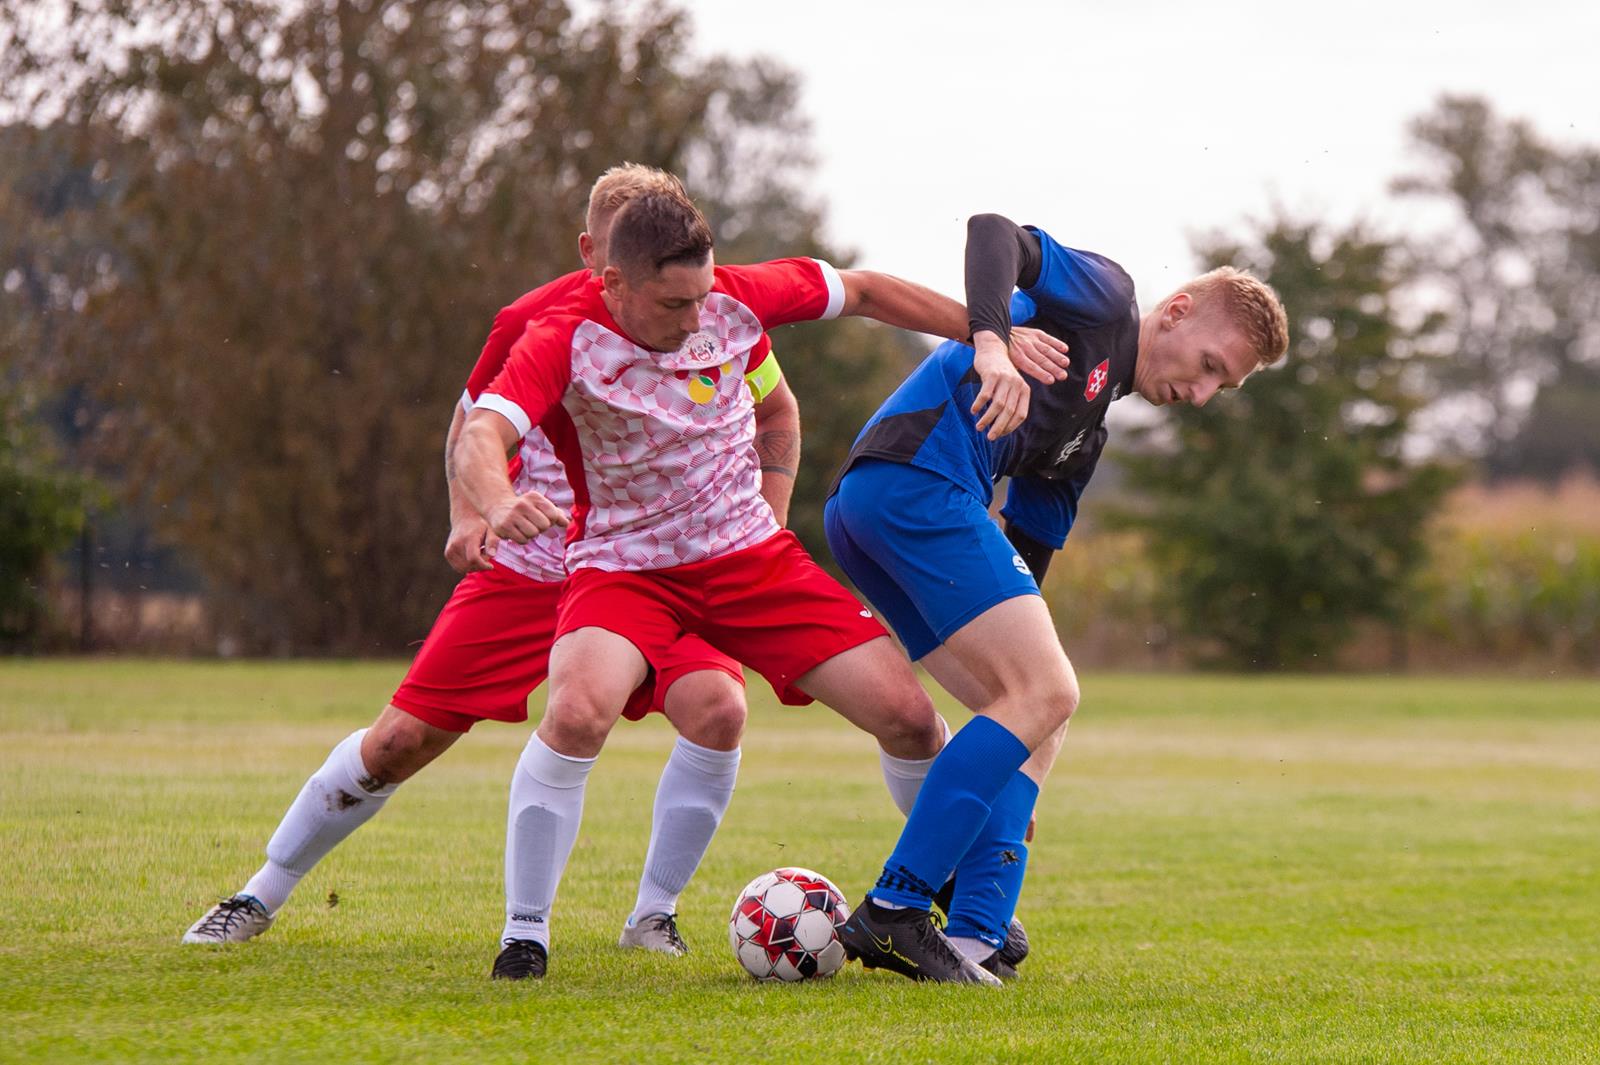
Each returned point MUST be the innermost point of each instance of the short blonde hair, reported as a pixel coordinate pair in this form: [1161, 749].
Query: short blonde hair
[622, 183]
[1248, 303]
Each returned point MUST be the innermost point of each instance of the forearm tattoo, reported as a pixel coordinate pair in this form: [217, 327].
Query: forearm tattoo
[779, 451]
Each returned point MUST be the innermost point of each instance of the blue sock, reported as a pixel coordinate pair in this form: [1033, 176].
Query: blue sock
[950, 811]
[989, 875]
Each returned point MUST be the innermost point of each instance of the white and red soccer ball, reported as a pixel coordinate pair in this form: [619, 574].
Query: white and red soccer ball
[785, 926]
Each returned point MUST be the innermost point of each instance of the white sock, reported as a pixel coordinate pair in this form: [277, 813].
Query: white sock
[904, 776]
[690, 801]
[541, 827]
[976, 949]
[338, 799]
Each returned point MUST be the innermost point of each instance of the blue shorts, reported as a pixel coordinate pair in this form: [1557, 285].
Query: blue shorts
[922, 549]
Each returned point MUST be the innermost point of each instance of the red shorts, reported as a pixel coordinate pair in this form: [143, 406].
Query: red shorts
[490, 648]
[769, 606]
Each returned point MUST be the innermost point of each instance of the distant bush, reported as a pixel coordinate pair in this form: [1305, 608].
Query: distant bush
[1514, 574]
[1103, 594]
[1512, 581]
[1509, 596]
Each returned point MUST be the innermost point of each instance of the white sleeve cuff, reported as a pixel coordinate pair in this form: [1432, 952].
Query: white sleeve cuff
[466, 401]
[507, 410]
[835, 283]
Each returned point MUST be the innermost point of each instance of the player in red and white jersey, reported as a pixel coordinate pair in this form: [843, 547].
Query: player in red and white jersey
[641, 380]
[490, 648]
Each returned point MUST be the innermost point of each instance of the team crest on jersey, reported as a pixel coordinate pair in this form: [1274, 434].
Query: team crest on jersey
[1097, 379]
[1070, 447]
[700, 349]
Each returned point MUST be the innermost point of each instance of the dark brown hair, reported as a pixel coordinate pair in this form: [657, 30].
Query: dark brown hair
[656, 229]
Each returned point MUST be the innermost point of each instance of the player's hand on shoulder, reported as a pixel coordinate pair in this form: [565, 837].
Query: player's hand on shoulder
[525, 517]
[1002, 401]
[471, 545]
[1039, 355]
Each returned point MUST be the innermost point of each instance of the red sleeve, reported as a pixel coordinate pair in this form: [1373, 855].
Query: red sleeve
[785, 290]
[512, 322]
[535, 375]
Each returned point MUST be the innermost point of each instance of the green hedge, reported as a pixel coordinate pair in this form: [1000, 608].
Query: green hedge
[1511, 596]
[1485, 599]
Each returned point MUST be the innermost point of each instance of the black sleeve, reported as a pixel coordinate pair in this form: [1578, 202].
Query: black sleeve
[1001, 255]
[1035, 554]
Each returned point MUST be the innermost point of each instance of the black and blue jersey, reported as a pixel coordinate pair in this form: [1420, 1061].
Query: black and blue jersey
[1084, 299]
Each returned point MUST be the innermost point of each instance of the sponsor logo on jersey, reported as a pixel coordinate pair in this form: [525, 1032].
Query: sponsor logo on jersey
[1070, 447]
[1097, 379]
[703, 383]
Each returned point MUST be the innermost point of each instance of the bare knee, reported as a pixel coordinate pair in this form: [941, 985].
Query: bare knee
[577, 721]
[910, 727]
[708, 708]
[1037, 709]
[397, 745]
[1061, 696]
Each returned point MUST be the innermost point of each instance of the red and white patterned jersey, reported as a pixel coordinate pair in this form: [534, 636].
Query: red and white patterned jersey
[535, 467]
[659, 445]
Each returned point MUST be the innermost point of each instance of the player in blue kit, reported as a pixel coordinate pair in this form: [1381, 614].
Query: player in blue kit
[909, 521]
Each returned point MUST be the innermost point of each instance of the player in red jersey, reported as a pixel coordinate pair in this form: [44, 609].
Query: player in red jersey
[490, 648]
[641, 380]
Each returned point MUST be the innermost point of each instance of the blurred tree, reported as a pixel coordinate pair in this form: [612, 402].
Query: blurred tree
[1519, 278]
[42, 507]
[1285, 512]
[305, 216]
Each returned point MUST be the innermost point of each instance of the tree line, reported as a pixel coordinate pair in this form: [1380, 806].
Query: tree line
[249, 252]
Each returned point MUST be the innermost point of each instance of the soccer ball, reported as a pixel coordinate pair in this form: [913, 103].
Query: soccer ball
[785, 924]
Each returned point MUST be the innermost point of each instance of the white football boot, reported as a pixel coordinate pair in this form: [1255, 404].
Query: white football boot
[232, 920]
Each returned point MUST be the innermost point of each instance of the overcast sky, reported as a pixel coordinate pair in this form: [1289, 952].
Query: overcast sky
[1126, 131]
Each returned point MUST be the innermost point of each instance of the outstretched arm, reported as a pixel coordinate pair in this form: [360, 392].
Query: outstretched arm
[901, 303]
[1002, 400]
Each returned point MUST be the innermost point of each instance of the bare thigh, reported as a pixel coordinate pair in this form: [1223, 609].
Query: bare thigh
[592, 673]
[873, 687]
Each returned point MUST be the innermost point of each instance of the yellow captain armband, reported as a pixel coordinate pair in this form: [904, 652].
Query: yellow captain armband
[764, 378]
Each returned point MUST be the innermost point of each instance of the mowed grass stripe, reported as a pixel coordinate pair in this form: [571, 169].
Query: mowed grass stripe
[1263, 869]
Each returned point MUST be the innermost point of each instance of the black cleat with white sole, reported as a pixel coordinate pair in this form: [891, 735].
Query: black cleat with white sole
[906, 942]
[520, 959]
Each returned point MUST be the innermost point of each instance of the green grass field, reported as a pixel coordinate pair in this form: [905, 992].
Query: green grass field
[1304, 869]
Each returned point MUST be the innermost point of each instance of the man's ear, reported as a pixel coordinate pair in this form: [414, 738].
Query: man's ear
[612, 279]
[586, 249]
[1179, 307]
